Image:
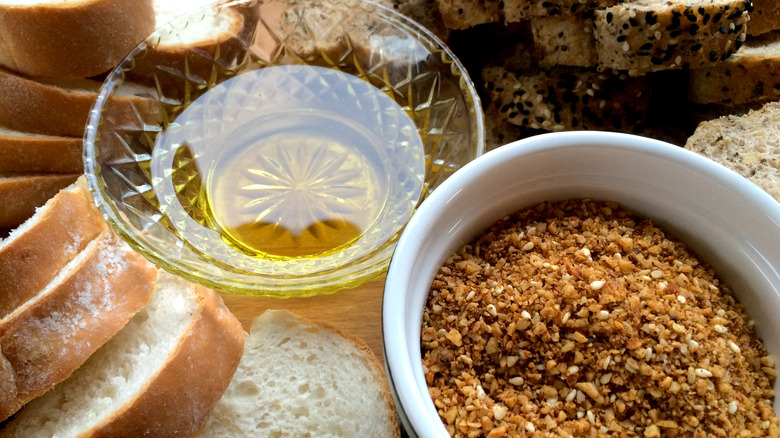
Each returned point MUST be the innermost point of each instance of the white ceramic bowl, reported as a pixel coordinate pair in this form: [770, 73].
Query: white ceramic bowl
[731, 223]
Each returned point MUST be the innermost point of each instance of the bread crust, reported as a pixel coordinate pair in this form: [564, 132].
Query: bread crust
[64, 227]
[62, 107]
[22, 152]
[48, 337]
[20, 195]
[751, 75]
[75, 38]
[645, 36]
[171, 404]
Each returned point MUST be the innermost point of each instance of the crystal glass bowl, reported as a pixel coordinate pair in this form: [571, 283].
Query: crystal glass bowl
[278, 148]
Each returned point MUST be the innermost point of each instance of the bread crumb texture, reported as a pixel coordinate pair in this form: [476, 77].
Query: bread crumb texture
[580, 319]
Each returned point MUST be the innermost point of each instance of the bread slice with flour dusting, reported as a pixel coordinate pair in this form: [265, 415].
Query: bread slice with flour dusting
[50, 335]
[33, 253]
[300, 379]
[158, 377]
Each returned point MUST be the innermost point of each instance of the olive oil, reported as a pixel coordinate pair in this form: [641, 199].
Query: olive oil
[287, 163]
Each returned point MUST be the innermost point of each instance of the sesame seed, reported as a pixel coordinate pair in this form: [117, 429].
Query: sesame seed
[720, 329]
[517, 381]
[598, 284]
[525, 314]
[733, 407]
[702, 372]
[681, 299]
[734, 347]
[528, 246]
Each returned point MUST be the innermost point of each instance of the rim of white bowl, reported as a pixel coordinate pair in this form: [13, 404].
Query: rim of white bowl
[417, 408]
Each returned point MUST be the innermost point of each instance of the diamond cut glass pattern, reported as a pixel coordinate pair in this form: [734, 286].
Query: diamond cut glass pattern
[158, 130]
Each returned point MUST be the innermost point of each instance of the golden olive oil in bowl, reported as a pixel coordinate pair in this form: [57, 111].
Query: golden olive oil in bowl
[294, 163]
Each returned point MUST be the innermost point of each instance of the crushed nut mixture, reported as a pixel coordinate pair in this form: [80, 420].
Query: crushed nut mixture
[580, 319]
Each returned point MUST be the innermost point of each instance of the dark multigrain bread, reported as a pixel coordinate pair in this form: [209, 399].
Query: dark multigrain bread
[463, 14]
[764, 17]
[748, 143]
[563, 98]
[520, 10]
[565, 40]
[650, 35]
[751, 75]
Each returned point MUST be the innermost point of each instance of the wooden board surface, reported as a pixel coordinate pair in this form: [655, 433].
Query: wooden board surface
[355, 311]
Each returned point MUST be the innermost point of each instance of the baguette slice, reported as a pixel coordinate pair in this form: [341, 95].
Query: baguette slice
[61, 107]
[158, 377]
[300, 379]
[50, 335]
[33, 253]
[749, 144]
[21, 194]
[71, 38]
[641, 36]
[751, 75]
[26, 152]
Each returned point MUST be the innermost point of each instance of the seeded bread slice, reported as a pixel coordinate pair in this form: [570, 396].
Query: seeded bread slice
[21, 194]
[50, 335]
[300, 379]
[70, 38]
[749, 144]
[521, 10]
[751, 75]
[32, 254]
[26, 152]
[765, 17]
[424, 12]
[562, 99]
[463, 14]
[160, 376]
[565, 40]
[649, 35]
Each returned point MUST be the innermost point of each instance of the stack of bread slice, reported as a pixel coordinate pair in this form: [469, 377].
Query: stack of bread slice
[94, 341]
[47, 47]
[661, 58]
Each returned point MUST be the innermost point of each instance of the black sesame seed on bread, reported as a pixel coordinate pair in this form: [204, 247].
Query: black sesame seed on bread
[764, 17]
[565, 40]
[752, 74]
[571, 98]
[749, 144]
[520, 10]
[649, 35]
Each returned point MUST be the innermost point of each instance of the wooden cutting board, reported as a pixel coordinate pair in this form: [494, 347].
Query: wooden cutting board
[354, 311]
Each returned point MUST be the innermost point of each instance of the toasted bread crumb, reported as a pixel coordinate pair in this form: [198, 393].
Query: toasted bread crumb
[579, 318]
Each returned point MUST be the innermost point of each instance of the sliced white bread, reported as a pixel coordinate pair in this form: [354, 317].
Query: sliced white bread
[765, 17]
[300, 379]
[25, 152]
[71, 38]
[649, 35]
[562, 99]
[749, 144]
[158, 377]
[21, 194]
[32, 254]
[565, 40]
[60, 107]
[50, 335]
[751, 75]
